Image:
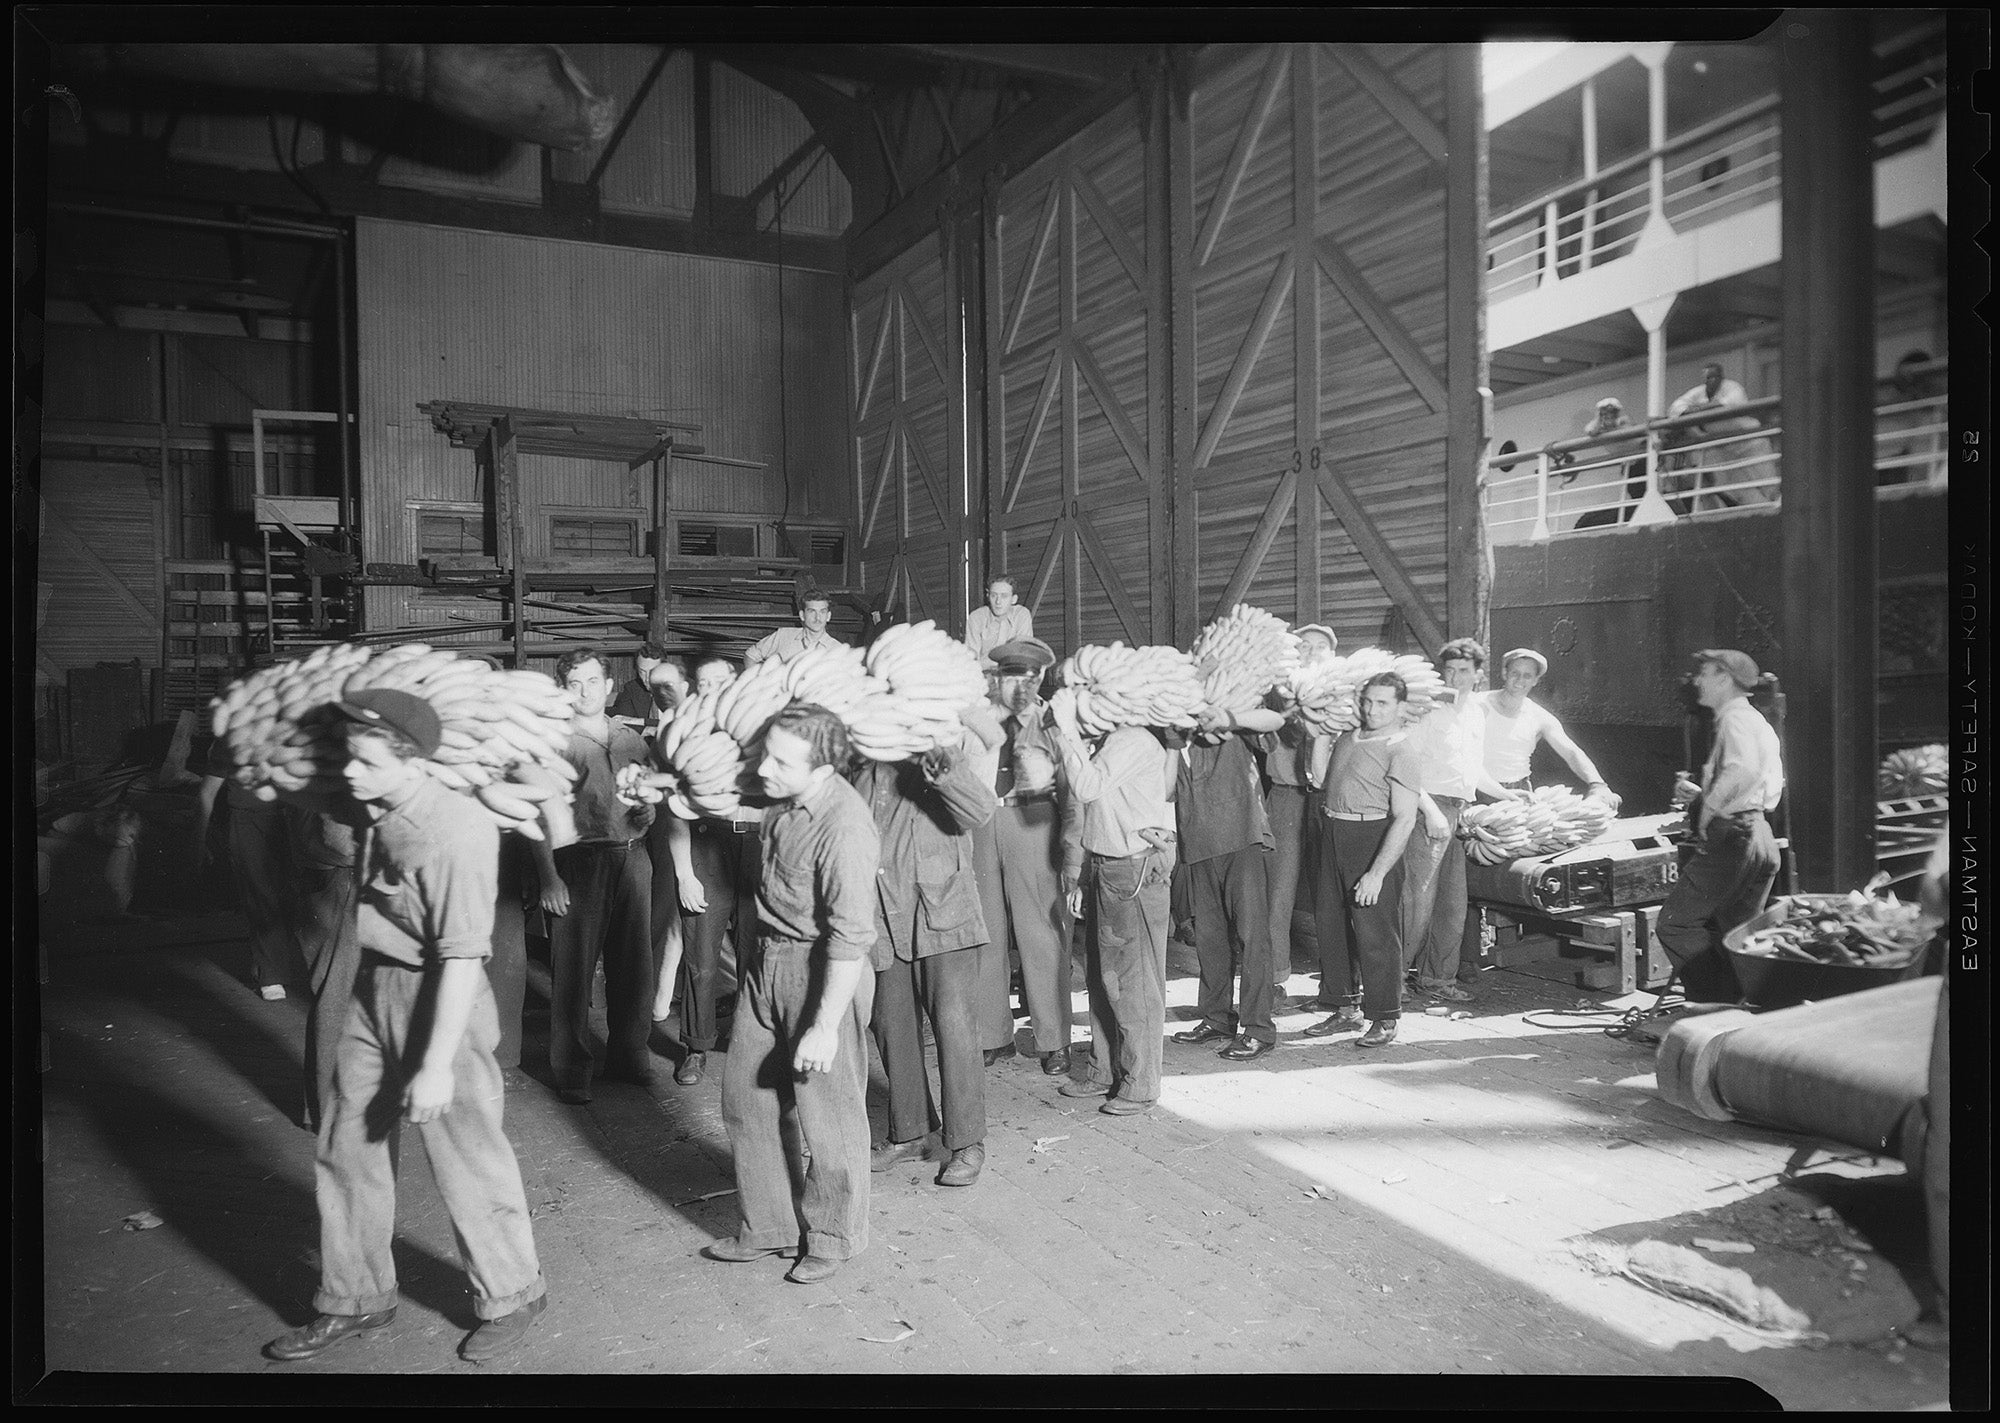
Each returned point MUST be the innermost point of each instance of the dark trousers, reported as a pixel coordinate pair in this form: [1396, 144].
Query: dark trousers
[1232, 925]
[381, 1046]
[1020, 888]
[265, 885]
[727, 864]
[326, 935]
[1125, 933]
[507, 971]
[1725, 883]
[993, 1005]
[1434, 901]
[1290, 810]
[610, 901]
[947, 987]
[760, 1092]
[1356, 940]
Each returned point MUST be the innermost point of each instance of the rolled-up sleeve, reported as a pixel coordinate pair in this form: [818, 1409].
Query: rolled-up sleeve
[847, 858]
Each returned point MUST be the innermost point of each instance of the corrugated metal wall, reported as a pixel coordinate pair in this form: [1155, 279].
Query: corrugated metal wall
[451, 314]
[100, 554]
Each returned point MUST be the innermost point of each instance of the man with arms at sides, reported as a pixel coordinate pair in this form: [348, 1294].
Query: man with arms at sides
[1451, 749]
[1004, 619]
[799, 1047]
[1371, 802]
[928, 932]
[1731, 873]
[1115, 873]
[1287, 803]
[1515, 726]
[716, 865]
[1226, 841]
[815, 612]
[1020, 855]
[598, 895]
[417, 1047]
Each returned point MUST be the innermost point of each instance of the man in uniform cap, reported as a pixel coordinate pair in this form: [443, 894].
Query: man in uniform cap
[1730, 876]
[1019, 858]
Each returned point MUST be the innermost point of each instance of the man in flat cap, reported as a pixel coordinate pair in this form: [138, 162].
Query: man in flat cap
[1515, 726]
[1731, 873]
[1287, 759]
[417, 1047]
[1019, 856]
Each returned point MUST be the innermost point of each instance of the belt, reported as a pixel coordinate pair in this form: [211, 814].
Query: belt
[1027, 797]
[739, 827]
[1364, 819]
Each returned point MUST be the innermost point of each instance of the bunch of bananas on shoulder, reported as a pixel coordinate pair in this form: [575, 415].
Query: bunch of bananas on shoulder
[1551, 820]
[1242, 655]
[504, 733]
[925, 678]
[1133, 686]
[1325, 692]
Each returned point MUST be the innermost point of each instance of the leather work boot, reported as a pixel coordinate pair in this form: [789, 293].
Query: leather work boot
[323, 1333]
[1380, 1033]
[889, 1153]
[964, 1167]
[1056, 1064]
[495, 1337]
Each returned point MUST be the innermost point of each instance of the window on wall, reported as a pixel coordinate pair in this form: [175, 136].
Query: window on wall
[594, 536]
[717, 541]
[452, 531]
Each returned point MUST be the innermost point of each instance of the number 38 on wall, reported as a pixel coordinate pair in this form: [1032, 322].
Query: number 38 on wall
[1303, 460]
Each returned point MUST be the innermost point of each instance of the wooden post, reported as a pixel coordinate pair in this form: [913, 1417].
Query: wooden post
[1468, 580]
[1183, 433]
[1828, 505]
[1153, 104]
[507, 528]
[663, 503]
[992, 321]
[1307, 577]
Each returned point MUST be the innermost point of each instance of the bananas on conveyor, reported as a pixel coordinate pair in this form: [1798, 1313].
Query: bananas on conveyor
[1133, 686]
[1915, 771]
[1242, 655]
[1551, 820]
[1325, 692]
[504, 733]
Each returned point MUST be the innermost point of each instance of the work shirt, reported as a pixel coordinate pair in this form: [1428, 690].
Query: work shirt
[1124, 789]
[1220, 802]
[1745, 770]
[787, 643]
[430, 877]
[1361, 772]
[1287, 750]
[1032, 733]
[600, 816]
[927, 892]
[1510, 740]
[325, 840]
[818, 882]
[1451, 748]
[986, 629]
[635, 699]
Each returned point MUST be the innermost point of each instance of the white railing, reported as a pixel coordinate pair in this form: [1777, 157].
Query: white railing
[1673, 469]
[1719, 168]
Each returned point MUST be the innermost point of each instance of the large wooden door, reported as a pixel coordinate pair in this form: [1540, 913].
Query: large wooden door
[909, 437]
[1075, 350]
[1326, 211]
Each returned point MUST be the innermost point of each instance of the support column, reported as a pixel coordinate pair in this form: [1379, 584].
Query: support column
[1657, 228]
[1586, 243]
[1182, 425]
[1468, 582]
[1828, 511]
[1652, 315]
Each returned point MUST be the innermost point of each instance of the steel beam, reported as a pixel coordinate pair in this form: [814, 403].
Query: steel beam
[1828, 505]
[1468, 578]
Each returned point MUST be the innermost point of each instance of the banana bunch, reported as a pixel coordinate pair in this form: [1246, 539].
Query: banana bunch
[707, 761]
[1133, 686]
[1325, 692]
[922, 679]
[1917, 771]
[275, 726]
[1551, 820]
[504, 733]
[1242, 655]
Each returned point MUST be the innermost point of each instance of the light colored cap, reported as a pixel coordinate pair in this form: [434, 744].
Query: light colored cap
[1529, 653]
